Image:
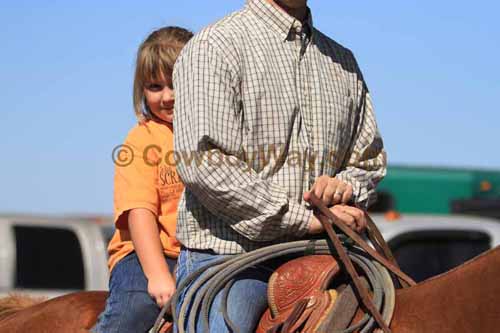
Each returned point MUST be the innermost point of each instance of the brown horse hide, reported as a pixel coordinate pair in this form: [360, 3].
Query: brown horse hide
[463, 300]
[75, 313]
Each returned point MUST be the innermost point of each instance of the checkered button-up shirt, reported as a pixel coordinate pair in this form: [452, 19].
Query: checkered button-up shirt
[265, 104]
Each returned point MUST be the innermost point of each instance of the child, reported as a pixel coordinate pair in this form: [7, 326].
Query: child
[143, 250]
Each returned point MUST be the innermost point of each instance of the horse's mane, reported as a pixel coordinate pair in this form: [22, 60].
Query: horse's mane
[16, 302]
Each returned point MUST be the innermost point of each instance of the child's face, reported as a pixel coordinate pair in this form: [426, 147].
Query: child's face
[160, 99]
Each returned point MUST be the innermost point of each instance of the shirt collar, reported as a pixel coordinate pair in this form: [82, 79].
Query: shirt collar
[278, 19]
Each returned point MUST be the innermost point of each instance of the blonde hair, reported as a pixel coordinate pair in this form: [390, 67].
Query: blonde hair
[155, 59]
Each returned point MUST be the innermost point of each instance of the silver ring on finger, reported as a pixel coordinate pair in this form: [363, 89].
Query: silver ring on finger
[338, 193]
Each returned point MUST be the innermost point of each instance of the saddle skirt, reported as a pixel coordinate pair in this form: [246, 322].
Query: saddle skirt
[298, 295]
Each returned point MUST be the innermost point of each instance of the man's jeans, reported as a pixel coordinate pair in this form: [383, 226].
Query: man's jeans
[247, 298]
[129, 308]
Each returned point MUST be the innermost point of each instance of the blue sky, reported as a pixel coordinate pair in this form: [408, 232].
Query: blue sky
[66, 76]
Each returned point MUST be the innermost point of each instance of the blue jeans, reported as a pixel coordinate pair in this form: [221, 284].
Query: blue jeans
[129, 308]
[247, 298]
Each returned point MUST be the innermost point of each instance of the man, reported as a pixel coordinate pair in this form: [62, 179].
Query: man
[268, 110]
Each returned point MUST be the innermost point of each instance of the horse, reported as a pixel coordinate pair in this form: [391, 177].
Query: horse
[462, 300]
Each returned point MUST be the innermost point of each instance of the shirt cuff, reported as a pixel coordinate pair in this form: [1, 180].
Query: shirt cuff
[361, 197]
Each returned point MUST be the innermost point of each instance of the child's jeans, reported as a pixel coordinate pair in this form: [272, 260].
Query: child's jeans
[129, 307]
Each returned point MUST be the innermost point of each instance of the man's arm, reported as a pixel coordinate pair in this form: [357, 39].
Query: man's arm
[208, 128]
[366, 161]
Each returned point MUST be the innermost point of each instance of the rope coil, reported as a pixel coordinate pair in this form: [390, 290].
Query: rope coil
[221, 273]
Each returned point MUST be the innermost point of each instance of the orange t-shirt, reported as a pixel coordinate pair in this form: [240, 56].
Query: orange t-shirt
[145, 177]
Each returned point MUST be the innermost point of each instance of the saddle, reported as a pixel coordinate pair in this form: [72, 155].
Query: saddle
[300, 299]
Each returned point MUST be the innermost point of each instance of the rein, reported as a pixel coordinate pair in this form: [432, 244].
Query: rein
[389, 262]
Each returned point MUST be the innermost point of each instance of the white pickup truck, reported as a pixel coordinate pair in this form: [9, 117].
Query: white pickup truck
[428, 245]
[54, 256]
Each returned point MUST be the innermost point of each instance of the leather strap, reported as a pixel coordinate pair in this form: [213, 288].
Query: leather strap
[327, 219]
[381, 246]
[360, 242]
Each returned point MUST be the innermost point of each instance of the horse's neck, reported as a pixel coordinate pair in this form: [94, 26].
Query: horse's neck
[468, 291]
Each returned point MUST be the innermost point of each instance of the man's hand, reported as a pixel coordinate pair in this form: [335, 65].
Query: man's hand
[353, 217]
[331, 191]
[315, 227]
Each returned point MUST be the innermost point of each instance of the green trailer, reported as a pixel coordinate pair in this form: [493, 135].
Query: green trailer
[409, 189]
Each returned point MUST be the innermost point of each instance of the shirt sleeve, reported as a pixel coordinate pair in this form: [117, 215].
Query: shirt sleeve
[208, 125]
[366, 161]
[135, 176]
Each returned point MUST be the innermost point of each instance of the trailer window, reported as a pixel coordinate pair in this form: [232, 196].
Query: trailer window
[48, 258]
[423, 254]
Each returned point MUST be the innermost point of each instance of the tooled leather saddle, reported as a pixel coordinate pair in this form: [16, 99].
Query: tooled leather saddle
[300, 299]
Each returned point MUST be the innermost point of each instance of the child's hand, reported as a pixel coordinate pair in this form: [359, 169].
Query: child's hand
[161, 288]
